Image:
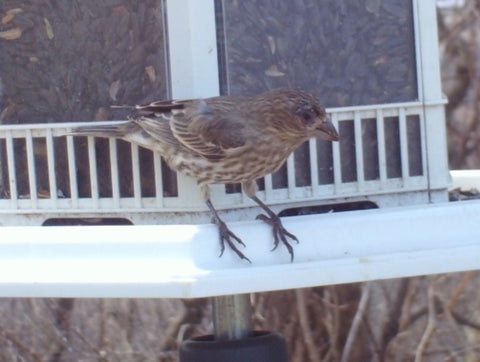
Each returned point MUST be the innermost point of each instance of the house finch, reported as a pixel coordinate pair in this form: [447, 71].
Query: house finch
[227, 139]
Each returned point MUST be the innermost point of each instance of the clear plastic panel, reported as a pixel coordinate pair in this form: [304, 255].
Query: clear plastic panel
[346, 52]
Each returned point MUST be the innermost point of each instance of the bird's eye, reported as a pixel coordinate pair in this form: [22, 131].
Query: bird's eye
[307, 115]
[306, 112]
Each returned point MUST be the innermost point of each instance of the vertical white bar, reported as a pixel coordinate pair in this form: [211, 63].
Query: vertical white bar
[418, 48]
[192, 49]
[427, 50]
[92, 161]
[382, 158]
[430, 89]
[137, 191]
[291, 176]
[188, 192]
[52, 181]
[268, 187]
[112, 147]
[312, 148]
[192, 45]
[402, 128]
[32, 179]
[337, 166]
[72, 172]
[423, 143]
[157, 169]
[357, 126]
[11, 170]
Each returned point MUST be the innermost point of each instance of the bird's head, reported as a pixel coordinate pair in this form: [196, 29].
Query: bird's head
[312, 118]
[302, 115]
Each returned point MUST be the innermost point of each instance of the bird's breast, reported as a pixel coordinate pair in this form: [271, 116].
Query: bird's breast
[240, 166]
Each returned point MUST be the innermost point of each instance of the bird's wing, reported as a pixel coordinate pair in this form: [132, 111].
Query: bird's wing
[208, 129]
[154, 119]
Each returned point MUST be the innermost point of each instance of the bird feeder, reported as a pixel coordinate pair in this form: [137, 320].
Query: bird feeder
[373, 64]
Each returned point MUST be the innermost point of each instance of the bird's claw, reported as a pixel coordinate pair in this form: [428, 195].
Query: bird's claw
[226, 236]
[280, 234]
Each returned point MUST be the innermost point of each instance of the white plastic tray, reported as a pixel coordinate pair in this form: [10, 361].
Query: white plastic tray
[182, 261]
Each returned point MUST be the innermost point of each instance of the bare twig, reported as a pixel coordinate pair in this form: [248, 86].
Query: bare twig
[461, 319]
[173, 328]
[312, 349]
[100, 353]
[362, 305]
[460, 289]
[404, 319]
[21, 347]
[331, 322]
[431, 322]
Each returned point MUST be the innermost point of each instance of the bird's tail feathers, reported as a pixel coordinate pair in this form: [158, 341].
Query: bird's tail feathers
[106, 130]
[154, 109]
[122, 106]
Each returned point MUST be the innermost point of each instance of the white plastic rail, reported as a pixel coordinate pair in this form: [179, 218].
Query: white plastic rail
[181, 261]
[44, 135]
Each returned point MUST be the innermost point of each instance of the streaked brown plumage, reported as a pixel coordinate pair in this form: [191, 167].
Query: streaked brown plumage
[227, 139]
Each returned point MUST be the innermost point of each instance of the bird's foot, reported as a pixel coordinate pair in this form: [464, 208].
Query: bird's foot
[280, 234]
[228, 237]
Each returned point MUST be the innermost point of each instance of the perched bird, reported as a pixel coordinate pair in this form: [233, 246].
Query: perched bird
[227, 139]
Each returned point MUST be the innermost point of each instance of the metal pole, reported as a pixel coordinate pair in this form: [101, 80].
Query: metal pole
[232, 317]
[234, 339]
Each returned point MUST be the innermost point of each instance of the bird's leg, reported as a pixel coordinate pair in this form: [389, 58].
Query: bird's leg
[280, 234]
[226, 235]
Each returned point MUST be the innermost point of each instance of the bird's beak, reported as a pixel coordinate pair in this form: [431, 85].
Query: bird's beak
[327, 131]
